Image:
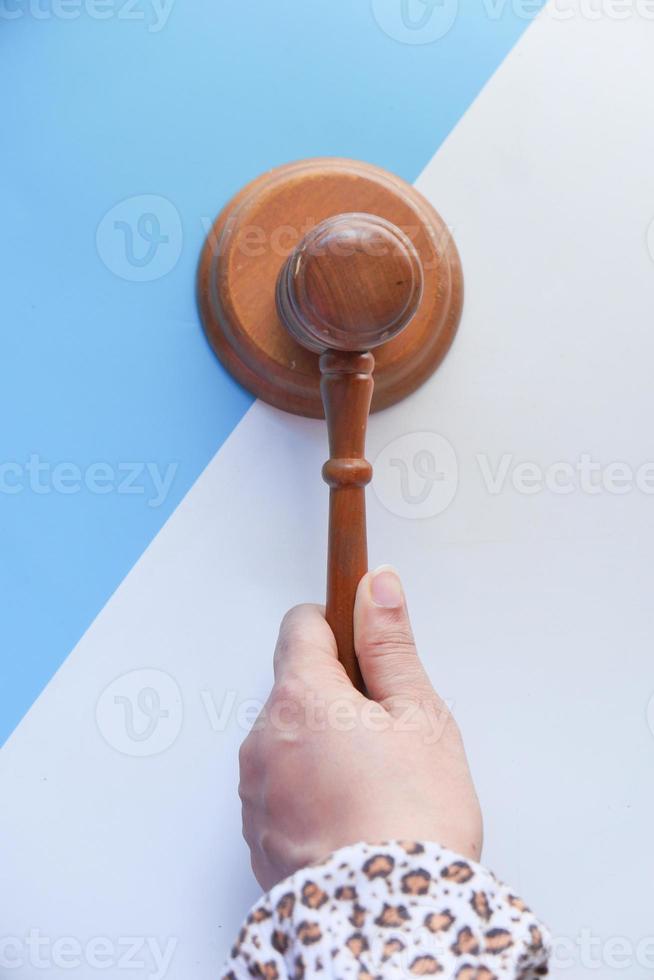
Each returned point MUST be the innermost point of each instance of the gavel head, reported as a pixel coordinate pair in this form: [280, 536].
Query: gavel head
[353, 283]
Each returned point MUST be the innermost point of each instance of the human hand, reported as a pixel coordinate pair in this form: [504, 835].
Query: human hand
[325, 766]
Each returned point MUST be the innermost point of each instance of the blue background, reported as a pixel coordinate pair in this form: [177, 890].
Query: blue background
[98, 368]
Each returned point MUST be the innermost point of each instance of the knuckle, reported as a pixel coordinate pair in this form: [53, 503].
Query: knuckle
[396, 640]
[285, 715]
[288, 691]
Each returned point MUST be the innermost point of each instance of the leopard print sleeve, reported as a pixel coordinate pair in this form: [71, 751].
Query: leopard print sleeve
[394, 911]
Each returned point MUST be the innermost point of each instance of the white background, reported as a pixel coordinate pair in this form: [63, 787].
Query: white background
[532, 611]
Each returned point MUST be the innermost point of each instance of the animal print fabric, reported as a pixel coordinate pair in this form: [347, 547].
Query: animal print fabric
[399, 910]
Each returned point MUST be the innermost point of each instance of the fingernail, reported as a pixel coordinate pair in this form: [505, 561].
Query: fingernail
[386, 588]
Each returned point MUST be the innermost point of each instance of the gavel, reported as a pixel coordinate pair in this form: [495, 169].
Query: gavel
[353, 282]
[297, 326]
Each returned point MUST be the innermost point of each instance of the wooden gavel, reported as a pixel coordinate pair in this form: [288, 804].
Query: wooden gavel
[353, 282]
[298, 329]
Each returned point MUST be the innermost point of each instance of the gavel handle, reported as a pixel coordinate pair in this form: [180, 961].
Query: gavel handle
[346, 386]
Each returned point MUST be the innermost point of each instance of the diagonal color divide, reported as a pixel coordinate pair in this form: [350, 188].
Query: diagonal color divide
[532, 610]
[123, 137]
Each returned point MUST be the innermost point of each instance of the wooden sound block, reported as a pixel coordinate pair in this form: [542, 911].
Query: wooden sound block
[252, 240]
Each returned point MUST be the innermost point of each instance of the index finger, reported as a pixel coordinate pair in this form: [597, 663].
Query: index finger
[306, 649]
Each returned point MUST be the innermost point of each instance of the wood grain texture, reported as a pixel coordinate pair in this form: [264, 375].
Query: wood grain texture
[347, 386]
[253, 238]
[353, 283]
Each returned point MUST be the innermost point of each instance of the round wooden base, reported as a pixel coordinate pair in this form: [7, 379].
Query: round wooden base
[253, 237]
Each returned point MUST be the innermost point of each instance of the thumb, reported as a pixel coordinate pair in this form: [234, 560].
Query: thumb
[384, 642]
